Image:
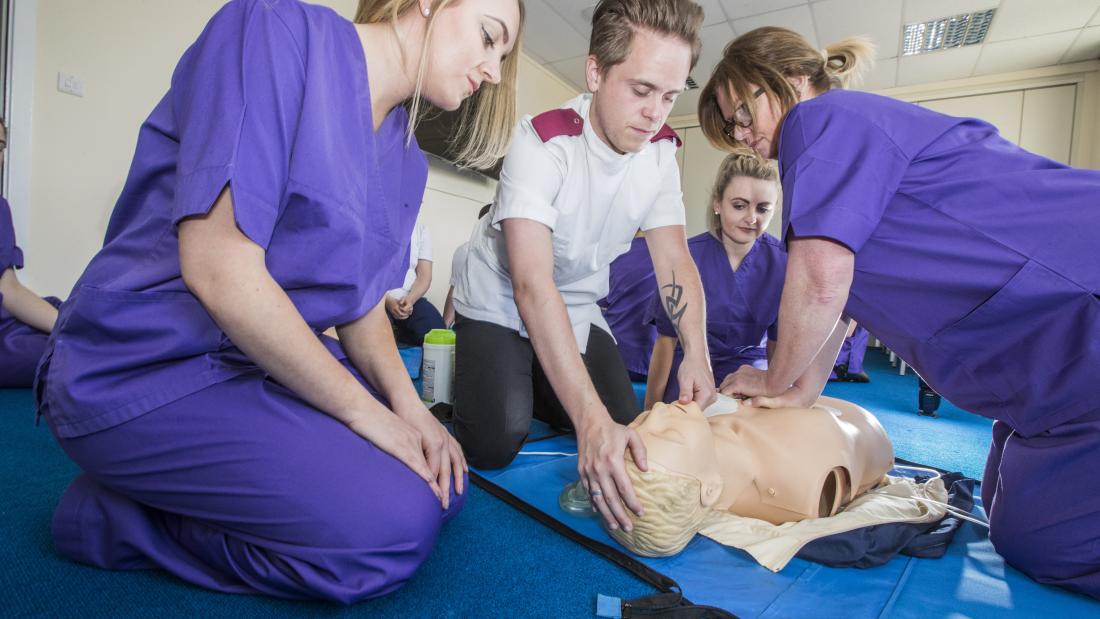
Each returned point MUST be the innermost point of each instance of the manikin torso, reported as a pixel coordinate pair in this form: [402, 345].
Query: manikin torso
[778, 465]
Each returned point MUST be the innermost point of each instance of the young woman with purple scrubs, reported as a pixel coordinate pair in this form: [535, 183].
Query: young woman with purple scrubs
[25, 318]
[742, 271]
[272, 196]
[974, 260]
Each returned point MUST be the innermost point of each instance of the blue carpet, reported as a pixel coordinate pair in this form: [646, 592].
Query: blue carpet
[491, 561]
[954, 440]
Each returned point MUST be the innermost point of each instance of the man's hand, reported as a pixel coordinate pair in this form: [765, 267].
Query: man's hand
[600, 462]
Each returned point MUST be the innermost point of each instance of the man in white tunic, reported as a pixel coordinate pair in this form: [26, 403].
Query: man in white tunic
[576, 185]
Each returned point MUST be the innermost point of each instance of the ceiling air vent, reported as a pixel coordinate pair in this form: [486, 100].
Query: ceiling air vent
[692, 84]
[946, 32]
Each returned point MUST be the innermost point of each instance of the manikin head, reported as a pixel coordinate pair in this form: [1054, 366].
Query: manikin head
[639, 56]
[682, 484]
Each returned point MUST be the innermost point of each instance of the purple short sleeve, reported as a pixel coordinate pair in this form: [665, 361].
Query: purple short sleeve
[839, 173]
[236, 97]
[655, 315]
[10, 254]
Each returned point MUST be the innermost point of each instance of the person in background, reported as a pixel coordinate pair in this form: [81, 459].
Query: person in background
[458, 263]
[742, 269]
[849, 363]
[631, 288]
[412, 315]
[25, 318]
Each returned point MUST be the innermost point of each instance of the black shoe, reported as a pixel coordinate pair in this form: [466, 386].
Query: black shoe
[840, 373]
[858, 377]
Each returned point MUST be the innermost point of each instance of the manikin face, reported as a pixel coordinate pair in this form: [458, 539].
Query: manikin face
[468, 45]
[631, 100]
[746, 209]
[679, 439]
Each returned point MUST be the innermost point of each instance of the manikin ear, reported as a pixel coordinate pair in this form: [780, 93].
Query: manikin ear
[711, 489]
[592, 76]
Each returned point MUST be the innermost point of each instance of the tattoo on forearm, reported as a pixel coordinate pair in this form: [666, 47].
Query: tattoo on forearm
[672, 300]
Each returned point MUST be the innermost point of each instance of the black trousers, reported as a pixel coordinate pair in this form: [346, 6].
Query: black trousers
[500, 386]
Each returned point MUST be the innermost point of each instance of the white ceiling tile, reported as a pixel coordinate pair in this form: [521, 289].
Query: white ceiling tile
[713, 12]
[937, 66]
[1024, 18]
[1096, 19]
[1022, 54]
[571, 70]
[883, 75]
[715, 39]
[796, 18]
[573, 12]
[879, 20]
[687, 103]
[736, 9]
[1086, 47]
[549, 36]
[927, 10]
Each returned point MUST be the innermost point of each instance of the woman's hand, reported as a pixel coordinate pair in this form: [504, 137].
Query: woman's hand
[398, 438]
[442, 452]
[750, 383]
[746, 382]
[600, 450]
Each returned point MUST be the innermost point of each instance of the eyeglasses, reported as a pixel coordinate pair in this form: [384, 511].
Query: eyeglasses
[741, 117]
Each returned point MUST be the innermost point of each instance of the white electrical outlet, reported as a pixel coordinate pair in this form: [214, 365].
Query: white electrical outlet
[70, 84]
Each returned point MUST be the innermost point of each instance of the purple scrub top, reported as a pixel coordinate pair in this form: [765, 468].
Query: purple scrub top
[631, 288]
[742, 305]
[10, 254]
[976, 261]
[11, 257]
[272, 99]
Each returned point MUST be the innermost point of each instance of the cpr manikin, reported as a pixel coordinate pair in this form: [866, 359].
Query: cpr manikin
[774, 465]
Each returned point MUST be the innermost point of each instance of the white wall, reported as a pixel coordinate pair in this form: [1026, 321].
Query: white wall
[81, 147]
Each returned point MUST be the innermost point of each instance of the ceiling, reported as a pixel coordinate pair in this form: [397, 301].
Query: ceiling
[1024, 34]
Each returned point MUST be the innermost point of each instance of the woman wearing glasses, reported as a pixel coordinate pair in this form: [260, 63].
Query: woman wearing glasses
[973, 259]
[741, 268]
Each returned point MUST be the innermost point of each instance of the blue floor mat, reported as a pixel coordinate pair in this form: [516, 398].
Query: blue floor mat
[970, 581]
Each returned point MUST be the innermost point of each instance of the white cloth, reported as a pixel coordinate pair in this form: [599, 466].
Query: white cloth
[593, 200]
[897, 499]
[458, 262]
[420, 248]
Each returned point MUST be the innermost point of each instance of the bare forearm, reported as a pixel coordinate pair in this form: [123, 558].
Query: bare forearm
[246, 305]
[551, 333]
[660, 366]
[819, 274]
[369, 344]
[814, 379]
[681, 297]
[422, 282]
[25, 305]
